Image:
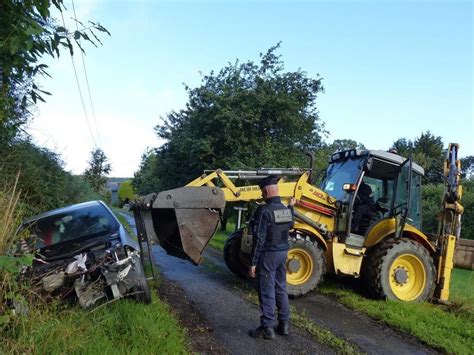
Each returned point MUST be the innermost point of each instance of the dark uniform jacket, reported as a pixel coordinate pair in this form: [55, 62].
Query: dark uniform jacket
[270, 225]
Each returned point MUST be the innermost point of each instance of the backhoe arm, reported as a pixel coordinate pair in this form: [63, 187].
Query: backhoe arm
[183, 220]
[449, 230]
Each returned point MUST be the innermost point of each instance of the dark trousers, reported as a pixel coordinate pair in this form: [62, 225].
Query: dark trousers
[271, 279]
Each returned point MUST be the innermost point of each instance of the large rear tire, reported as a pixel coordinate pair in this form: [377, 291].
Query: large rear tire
[401, 269]
[305, 265]
[232, 255]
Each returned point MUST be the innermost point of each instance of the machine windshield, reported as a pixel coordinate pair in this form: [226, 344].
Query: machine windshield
[338, 174]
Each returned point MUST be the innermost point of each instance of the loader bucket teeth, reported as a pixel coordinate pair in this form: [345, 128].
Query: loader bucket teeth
[183, 220]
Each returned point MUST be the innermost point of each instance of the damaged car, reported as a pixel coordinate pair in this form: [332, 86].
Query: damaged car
[82, 252]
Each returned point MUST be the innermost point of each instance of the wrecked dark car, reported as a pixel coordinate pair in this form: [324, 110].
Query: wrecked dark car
[83, 252]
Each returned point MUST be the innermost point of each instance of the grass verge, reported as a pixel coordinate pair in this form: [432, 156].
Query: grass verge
[462, 288]
[218, 240]
[122, 327]
[448, 329]
[118, 213]
[322, 335]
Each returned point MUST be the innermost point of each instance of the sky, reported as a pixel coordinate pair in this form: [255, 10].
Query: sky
[390, 69]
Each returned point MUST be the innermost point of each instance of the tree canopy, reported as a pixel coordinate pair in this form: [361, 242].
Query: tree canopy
[246, 115]
[28, 34]
[126, 192]
[428, 151]
[96, 173]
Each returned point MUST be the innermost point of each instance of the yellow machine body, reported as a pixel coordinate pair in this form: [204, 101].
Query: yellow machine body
[183, 225]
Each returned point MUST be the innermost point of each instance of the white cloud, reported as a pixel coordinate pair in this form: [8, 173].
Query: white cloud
[125, 118]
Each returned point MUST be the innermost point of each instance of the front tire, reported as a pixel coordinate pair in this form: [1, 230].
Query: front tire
[232, 255]
[401, 269]
[305, 265]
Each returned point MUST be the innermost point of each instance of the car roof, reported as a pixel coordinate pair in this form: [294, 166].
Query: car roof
[63, 210]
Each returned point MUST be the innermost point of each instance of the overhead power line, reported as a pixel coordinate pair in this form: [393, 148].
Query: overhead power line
[80, 92]
[87, 81]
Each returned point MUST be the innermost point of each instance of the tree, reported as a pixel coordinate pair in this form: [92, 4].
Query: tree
[431, 206]
[467, 167]
[467, 230]
[28, 33]
[126, 192]
[323, 154]
[426, 150]
[145, 180]
[42, 180]
[247, 115]
[98, 168]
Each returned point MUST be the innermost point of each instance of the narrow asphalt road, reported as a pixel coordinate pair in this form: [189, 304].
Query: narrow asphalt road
[213, 289]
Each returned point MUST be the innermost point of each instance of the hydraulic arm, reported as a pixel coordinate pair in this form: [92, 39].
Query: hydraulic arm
[449, 229]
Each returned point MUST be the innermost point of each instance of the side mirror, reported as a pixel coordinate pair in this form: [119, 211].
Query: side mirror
[349, 187]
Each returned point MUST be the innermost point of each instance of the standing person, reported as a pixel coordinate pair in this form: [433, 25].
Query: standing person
[270, 225]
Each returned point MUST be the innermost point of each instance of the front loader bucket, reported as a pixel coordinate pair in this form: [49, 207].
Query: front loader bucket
[182, 220]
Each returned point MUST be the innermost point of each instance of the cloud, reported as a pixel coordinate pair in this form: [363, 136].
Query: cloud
[125, 119]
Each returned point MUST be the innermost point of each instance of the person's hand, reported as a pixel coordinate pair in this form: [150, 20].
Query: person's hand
[252, 270]
[292, 201]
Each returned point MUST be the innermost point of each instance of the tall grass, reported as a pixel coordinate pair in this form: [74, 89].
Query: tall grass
[123, 327]
[10, 218]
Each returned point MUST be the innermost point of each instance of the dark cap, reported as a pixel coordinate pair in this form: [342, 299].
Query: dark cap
[269, 180]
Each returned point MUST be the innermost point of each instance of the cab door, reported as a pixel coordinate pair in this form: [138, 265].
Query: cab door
[401, 197]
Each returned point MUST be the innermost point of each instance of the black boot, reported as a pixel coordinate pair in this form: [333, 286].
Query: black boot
[262, 332]
[283, 328]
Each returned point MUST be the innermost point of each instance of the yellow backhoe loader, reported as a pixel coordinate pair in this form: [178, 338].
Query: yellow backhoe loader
[363, 221]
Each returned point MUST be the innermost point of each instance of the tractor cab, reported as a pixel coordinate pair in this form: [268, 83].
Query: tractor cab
[371, 185]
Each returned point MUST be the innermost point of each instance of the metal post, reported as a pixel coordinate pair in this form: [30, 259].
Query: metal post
[239, 216]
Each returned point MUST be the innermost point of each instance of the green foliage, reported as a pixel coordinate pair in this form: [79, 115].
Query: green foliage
[323, 153]
[42, 179]
[462, 288]
[467, 229]
[428, 322]
[146, 180]
[119, 214]
[427, 151]
[322, 335]
[28, 33]
[218, 240]
[431, 206]
[467, 167]
[126, 191]
[10, 264]
[123, 327]
[13, 264]
[98, 168]
[246, 115]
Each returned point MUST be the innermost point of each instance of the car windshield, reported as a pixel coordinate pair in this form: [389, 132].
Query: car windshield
[338, 174]
[92, 221]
